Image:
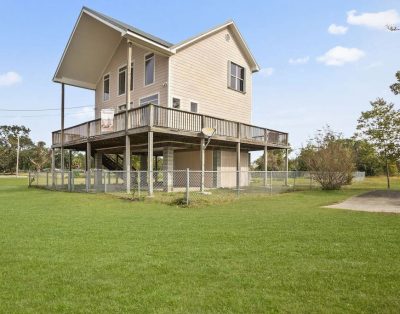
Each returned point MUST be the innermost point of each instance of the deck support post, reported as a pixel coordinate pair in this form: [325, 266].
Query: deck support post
[202, 163]
[98, 164]
[62, 132]
[127, 161]
[88, 164]
[265, 165]
[53, 167]
[168, 167]
[238, 168]
[286, 166]
[150, 162]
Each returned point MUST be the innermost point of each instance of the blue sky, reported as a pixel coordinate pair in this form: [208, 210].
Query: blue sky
[301, 88]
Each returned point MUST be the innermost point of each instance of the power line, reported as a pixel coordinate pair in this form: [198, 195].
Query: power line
[44, 109]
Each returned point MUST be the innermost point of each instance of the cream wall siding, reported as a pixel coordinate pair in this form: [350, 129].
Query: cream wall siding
[199, 73]
[139, 90]
[191, 160]
[228, 168]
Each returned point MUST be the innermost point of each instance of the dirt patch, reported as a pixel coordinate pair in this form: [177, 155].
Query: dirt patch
[374, 201]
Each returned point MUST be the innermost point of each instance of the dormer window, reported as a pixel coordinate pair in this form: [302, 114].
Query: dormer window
[106, 87]
[236, 77]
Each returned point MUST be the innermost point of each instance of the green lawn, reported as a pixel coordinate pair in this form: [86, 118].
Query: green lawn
[79, 253]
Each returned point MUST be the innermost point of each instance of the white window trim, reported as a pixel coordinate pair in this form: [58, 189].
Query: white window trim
[144, 69]
[152, 94]
[109, 85]
[126, 70]
[190, 106]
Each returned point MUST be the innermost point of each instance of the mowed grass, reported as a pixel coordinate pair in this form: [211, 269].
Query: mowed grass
[79, 253]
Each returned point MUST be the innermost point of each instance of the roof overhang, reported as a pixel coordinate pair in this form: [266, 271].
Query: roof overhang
[235, 31]
[91, 46]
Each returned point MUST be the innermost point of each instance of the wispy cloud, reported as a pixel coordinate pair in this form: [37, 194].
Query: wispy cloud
[10, 78]
[266, 72]
[339, 55]
[337, 29]
[299, 60]
[377, 20]
[85, 113]
[374, 65]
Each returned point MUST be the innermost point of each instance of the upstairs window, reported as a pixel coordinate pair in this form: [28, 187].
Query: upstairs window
[176, 103]
[106, 87]
[149, 69]
[236, 77]
[194, 107]
[121, 80]
[153, 99]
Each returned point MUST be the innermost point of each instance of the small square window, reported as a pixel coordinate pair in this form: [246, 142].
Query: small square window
[176, 103]
[194, 107]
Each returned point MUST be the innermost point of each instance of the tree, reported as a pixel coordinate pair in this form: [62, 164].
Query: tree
[8, 146]
[39, 155]
[380, 126]
[329, 159]
[276, 160]
[395, 88]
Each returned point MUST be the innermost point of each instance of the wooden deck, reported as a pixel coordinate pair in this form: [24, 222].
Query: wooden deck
[169, 126]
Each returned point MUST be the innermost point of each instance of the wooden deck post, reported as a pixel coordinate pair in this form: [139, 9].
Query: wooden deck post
[62, 132]
[88, 164]
[265, 164]
[238, 168]
[127, 161]
[202, 163]
[150, 162]
[286, 166]
[53, 166]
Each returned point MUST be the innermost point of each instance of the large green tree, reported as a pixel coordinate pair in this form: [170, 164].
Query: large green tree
[395, 88]
[380, 126]
[8, 146]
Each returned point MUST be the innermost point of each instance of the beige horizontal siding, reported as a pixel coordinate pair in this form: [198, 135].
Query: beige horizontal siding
[139, 90]
[199, 73]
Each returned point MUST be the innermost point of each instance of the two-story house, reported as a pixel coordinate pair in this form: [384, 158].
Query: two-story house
[163, 95]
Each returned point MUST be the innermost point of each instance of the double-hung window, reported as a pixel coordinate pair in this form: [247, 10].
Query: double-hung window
[149, 69]
[236, 77]
[106, 87]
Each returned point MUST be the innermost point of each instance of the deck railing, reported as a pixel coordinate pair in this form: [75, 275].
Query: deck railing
[174, 119]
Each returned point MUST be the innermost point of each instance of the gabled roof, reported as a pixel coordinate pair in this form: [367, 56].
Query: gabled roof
[230, 24]
[96, 36]
[126, 27]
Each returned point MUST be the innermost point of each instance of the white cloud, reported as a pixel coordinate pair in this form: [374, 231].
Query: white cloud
[10, 78]
[339, 55]
[374, 20]
[299, 60]
[266, 72]
[85, 113]
[337, 29]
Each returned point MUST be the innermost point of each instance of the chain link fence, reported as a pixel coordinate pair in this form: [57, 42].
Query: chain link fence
[183, 185]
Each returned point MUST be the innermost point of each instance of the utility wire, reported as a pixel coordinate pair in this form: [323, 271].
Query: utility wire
[47, 109]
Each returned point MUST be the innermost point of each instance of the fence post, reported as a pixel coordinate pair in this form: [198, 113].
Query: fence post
[294, 180]
[29, 178]
[47, 179]
[72, 180]
[187, 185]
[138, 182]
